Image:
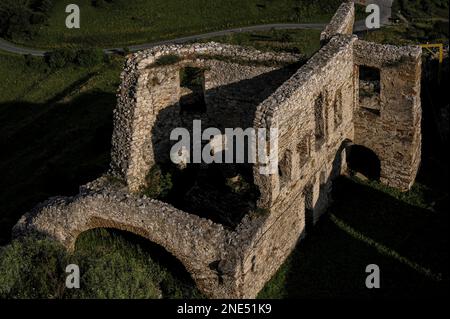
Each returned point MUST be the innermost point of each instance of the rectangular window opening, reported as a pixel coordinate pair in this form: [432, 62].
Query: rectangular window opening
[369, 89]
[309, 207]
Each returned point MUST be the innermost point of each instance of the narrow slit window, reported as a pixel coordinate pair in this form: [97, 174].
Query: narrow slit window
[304, 150]
[338, 109]
[319, 120]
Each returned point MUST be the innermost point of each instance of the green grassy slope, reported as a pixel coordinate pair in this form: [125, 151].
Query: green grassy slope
[427, 22]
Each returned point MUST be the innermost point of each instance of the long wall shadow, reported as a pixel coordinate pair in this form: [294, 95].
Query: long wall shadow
[330, 262]
[67, 145]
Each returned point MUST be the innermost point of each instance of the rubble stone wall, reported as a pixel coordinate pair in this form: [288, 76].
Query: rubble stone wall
[328, 76]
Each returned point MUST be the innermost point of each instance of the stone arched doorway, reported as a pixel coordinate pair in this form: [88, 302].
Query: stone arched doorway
[363, 160]
[65, 218]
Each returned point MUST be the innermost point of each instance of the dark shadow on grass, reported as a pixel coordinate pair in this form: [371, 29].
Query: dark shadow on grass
[65, 146]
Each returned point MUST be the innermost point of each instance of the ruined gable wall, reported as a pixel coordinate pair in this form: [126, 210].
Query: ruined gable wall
[237, 264]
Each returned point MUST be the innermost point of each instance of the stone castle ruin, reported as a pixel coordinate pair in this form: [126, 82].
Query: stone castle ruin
[351, 97]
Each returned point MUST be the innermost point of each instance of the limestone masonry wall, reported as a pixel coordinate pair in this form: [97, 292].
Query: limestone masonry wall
[351, 92]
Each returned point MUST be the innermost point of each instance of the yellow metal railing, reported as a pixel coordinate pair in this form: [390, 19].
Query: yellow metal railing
[439, 46]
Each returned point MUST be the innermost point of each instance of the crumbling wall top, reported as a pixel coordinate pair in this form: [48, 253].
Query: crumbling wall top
[143, 59]
[378, 55]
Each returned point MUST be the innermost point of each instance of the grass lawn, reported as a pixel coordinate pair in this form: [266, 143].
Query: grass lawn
[123, 265]
[55, 131]
[414, 34]
[124, 23]
[405, 234]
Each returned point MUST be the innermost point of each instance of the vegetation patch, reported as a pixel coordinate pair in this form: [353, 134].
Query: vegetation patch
[368, 225]
[159, 183]
[415, 22]
[83, 58]
[21, 18]
[305, 42]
